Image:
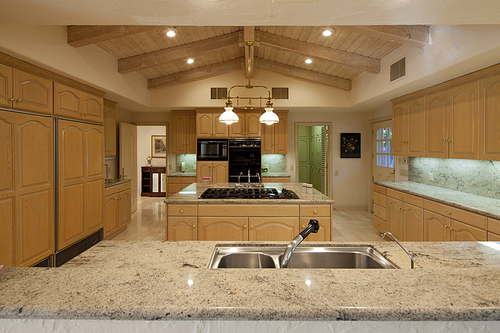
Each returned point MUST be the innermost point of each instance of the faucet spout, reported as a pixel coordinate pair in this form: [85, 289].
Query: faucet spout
[313, 227]
[248, 176]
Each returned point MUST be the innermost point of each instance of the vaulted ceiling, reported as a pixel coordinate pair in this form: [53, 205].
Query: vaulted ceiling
[217, 50]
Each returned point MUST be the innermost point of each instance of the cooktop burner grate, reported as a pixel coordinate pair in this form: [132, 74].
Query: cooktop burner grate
[247, 193]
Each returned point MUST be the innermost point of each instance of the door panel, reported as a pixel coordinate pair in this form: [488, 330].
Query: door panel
[128, 159]
[436, 227]
[436, 125]
[273, 228]
[182, 228]
[223, 228]
[414, 223]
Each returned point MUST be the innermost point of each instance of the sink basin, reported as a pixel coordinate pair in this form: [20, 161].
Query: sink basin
[360, 257]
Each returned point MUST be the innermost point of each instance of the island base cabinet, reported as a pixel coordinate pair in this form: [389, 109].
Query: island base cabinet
[273, 228]
[182, 228]
[223, 228]
[462, 232]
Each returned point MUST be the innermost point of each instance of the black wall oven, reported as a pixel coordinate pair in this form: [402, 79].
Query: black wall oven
[244, 157]
[212, 150]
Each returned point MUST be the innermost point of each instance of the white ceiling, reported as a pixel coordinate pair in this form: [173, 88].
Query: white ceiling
[249, 12]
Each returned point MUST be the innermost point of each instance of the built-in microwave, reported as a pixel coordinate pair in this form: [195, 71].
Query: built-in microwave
[212, 150]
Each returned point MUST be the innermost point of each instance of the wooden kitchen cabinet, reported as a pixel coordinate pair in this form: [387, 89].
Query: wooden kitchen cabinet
[75, 104]
[117, 206]
[81, 181]
[405, 216]
[273, 228]
[26, 189]
[109, 119]
[110, 215]
[436, 124]
[223, 228]
[184, 132]
[408, 121]
[25, 91]
[247, 127]
[209, 126]
[275, 136]
[176, 184]
[218, 171]
[436, 227]
[182, 222]
[489, 118]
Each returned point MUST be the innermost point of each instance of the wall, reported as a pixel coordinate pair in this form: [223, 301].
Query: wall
[469, 176]
[144, 149]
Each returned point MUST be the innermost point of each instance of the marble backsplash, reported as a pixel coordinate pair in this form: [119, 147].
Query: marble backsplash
[189, 162]
[469, 176]
[275, 163]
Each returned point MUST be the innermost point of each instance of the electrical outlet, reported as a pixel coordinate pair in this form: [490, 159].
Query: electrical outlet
[291, 166]
[403, 172]
[336, 173]
[431, 176]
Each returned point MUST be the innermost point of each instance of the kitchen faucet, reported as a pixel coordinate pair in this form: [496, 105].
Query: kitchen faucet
[258, 176]
[313, 227]
[248, 177]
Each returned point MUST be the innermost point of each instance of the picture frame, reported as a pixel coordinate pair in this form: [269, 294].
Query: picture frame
[158, 146]
[350, 145]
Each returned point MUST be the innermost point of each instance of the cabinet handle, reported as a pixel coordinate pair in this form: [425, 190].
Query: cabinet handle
[378, 211]
[182, 210]
[446, 226]
[12, 99]
[401, 196]
[444, 140]
[244, 226]
[303, 226]
[315, 211]
[449, 140]
[251, 226]
[378, 223]
[19, 100]
[448, 212]
[451, 228]
[194, 225]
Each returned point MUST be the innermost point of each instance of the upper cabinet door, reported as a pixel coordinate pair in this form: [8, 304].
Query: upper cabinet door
[204, 125]
[281, 135]
[220, 130]
[32, 93]
[6, 86]
[252, 125]
[416, 128]
[399, 129]
[436, 124]
[109, 130]
[463, 121]
[68, 102]
[179, 135]
[93, 108]
[191, 135]
[489, 118]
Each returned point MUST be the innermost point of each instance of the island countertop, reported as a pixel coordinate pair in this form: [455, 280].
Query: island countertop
[190, 194]
[130, 280]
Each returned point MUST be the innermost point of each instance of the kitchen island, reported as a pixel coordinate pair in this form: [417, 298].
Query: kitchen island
[189, 217]
[118, 285]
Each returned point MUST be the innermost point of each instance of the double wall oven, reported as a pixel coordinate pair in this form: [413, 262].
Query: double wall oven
[244, 159]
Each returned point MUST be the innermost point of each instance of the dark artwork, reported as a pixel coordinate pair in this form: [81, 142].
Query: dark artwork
[350, 145]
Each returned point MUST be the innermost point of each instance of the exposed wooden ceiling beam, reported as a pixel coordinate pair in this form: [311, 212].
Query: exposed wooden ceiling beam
[413, 35]
[197, 74]
[304, 74]
[158, 58]
[366, 64]
[81, 35]
[249, 37]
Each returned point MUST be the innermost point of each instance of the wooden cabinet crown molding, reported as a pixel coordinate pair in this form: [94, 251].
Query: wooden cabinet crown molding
[46, 74]
[467, 78]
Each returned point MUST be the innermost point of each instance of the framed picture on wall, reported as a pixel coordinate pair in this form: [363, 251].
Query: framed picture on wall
[350, 145]
[158, 146]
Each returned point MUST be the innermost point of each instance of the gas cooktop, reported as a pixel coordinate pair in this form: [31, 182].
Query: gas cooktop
[247, 193]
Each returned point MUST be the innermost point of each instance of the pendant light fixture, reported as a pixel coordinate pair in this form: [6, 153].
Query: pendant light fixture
[268, 117]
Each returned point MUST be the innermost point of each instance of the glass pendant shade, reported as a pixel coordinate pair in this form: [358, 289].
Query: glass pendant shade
[269, 117]
[228, 116]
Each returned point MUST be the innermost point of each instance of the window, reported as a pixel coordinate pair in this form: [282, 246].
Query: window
[384, 148]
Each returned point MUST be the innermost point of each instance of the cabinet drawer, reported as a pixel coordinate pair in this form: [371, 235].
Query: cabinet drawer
[458, 214]
[411, 199]
[379, 224]
[182, 210]
[181, 180]
[379, 199]
[248, 210]
[379, 212]
[315, 210]
[379, 189]
[115, 189]
[275, 180]
[493, 237]
[462, 232]
[494, 225]
[174, 188]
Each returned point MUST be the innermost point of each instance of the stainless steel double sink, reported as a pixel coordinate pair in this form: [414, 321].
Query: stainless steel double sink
[359, 257]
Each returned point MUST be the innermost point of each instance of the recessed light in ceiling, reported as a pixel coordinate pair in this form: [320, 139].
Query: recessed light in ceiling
[327, 31]
[170, 32]
[309, 61]
[190, 61]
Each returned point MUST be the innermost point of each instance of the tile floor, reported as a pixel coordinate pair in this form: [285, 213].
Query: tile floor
[148, 223]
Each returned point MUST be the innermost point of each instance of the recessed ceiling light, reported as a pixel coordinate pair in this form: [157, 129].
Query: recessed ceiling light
[170, 32]
[308, 61]
[327, 31]
[190, 60]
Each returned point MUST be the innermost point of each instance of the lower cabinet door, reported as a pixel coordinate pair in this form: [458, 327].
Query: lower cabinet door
[395, 217]
[325, 228]
[273, 228]
[414, 223]
[182, 228]
[223, 228]
[462, 232]
[124, 208]
[436, 227]
[110, 215]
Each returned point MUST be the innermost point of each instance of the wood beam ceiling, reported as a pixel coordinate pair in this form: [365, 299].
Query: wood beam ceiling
[367, 64]
[158, 58]
[412, 35]
[304, 74]
[81, 35]
[249, 36]
[197, 73]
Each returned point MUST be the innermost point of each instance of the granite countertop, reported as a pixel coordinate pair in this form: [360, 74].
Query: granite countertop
[115, 182]
[183, 174]
[452, 281]
[190, 194]
[470, 202]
